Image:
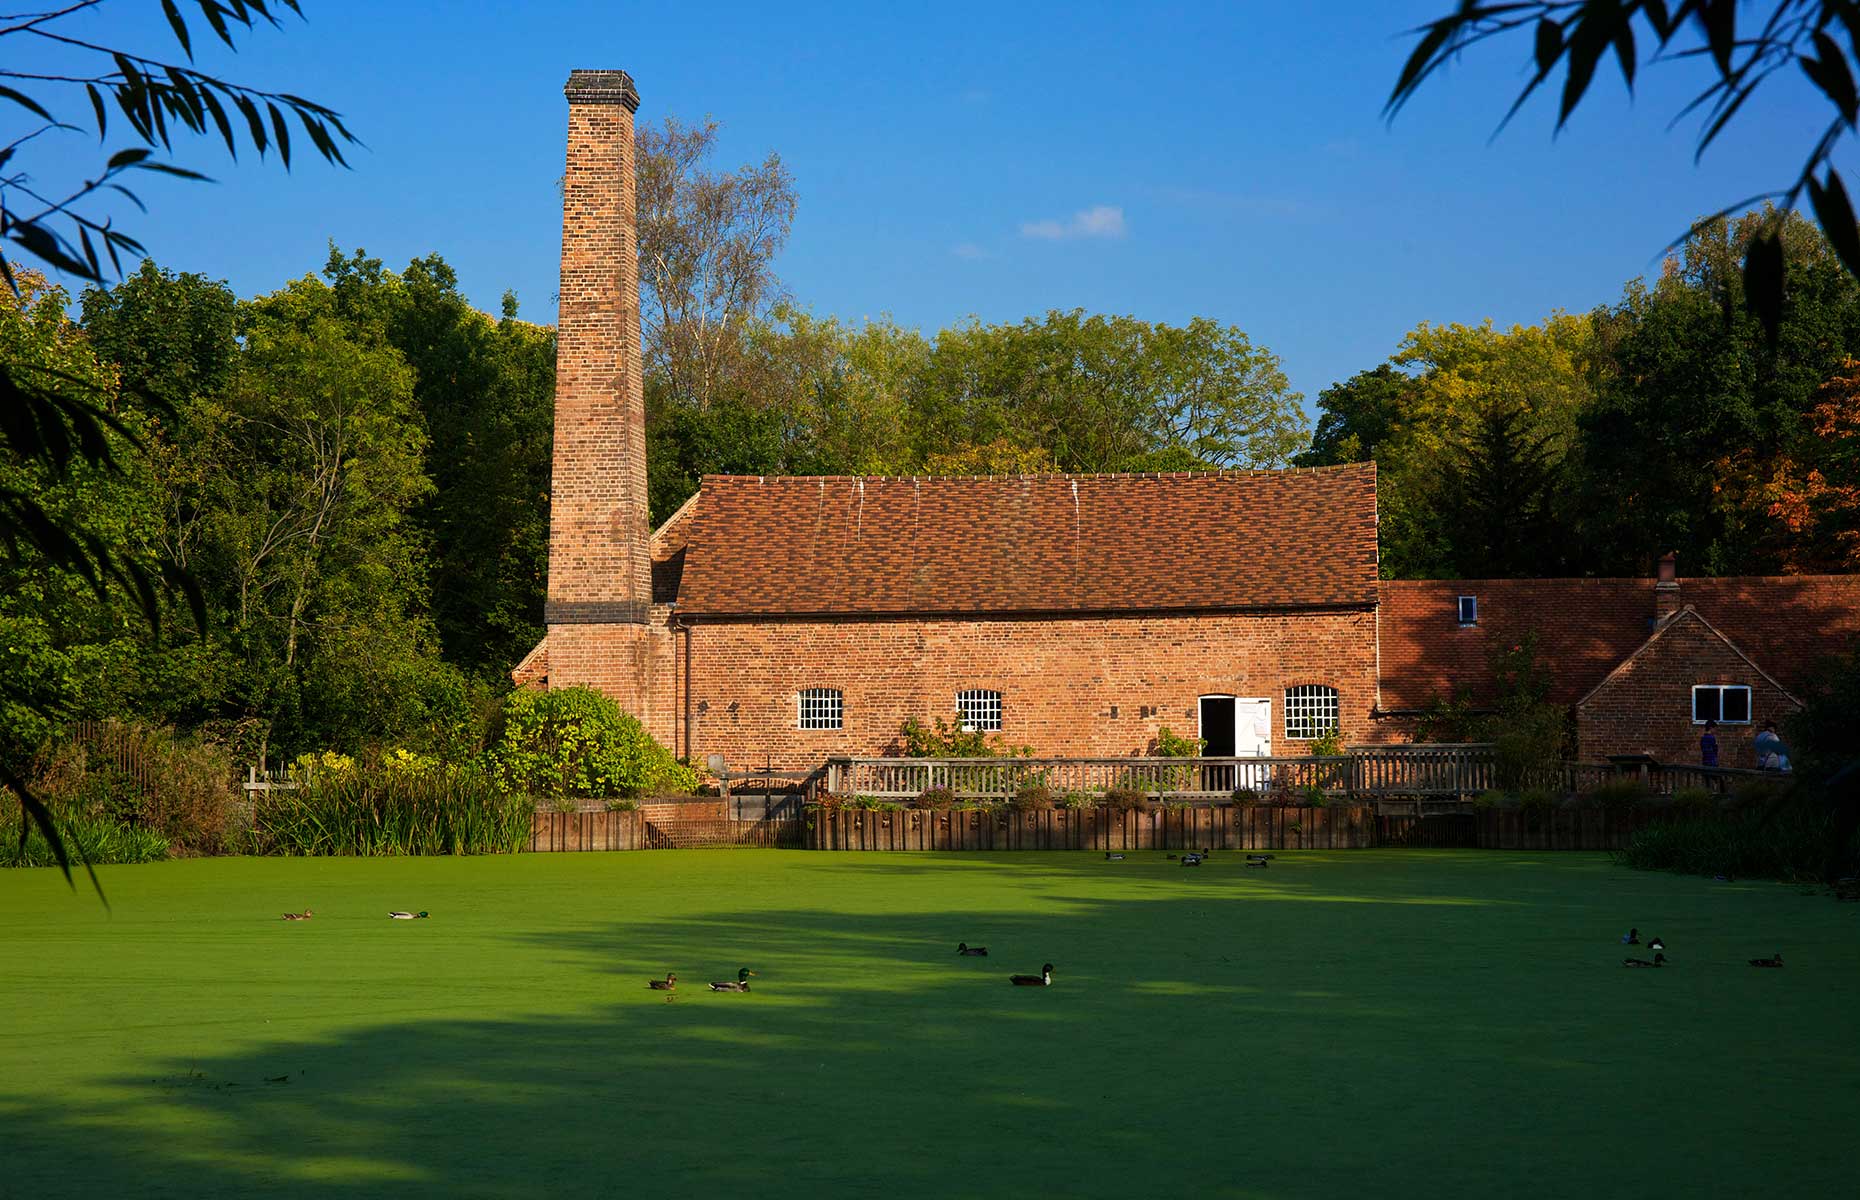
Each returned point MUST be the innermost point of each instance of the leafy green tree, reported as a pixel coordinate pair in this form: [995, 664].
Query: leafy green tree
[1357, 416]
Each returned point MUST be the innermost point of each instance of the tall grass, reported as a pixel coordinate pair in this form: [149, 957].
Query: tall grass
[95, 840]
[382, 812]
[1791, 844]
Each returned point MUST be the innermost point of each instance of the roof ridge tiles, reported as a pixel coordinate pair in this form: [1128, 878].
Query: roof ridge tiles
[1062, 476]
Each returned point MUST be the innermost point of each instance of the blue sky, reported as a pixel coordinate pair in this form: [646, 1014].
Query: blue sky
[989, 159]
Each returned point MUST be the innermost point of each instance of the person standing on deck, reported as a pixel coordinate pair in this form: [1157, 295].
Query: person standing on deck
[1708, 745]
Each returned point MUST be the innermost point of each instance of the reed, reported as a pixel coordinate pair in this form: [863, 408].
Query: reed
[1790, 844]
[384, 812]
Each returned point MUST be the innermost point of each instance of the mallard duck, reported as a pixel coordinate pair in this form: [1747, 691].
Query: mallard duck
[1655, 944]
[739, 984]
[1258, 857]
[1261, 863]
[668, 984]
[1768, 962]
[407, 916]
[1631, 938]
[1109, 857]
[1659, 960]
[1191, 860]
[305, 915]
[1043, 979]
[969, 951]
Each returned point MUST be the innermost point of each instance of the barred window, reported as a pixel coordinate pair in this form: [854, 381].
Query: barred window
[979, 710]
[822, 708]
[1310, 711]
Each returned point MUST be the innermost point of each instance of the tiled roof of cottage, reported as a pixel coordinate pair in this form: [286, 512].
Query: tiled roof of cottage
[1037, 543]
[1786, 624]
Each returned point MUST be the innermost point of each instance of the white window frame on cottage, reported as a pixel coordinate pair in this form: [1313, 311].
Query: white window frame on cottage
[820, 708]
[1469, 610]
[1306, 706]
[1719, 690]
[978, 710]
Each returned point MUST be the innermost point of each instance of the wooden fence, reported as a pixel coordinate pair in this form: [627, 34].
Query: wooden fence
[1227, 827]
[670, 826]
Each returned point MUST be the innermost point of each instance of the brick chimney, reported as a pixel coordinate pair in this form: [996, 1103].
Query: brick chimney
[600, 571]
[1666, 587]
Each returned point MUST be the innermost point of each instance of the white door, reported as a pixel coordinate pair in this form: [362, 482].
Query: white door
[1252, 728]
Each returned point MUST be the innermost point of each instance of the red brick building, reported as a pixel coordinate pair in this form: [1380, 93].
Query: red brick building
[784, 620]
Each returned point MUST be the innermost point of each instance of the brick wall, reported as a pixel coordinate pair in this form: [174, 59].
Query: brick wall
[599, 566]
[1646, 708]
[1060, 678]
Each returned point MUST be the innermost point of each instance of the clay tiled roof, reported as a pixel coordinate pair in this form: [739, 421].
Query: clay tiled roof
[1040, 543]
[1787, 625]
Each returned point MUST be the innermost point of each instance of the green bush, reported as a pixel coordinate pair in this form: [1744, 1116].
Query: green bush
[1694, 801]
[947, 739]
[1537, 800]
[1168, 745]
[1245, 798]
[1327, 745]
[1493, 799]
[937, 798]
[576, 743]
[181, 789]
[1314, 797]
[1077, 800]
[1789, 844]
[1032, 797]
[1617, 796]
[371, 811]
[1124, 799]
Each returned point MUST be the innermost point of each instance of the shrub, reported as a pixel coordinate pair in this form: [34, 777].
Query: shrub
[1314, 797]
[1245, 798]
[1694, 801]
[577, 743]
[1537, 800]
[1123, 798]
[1168, 745]
[947, 739]
[1790, 844]
[1076, 800]
[180, 788]
[1617, 795]
[937, 798]
[1328, 745]
[373, 811]
[1492, 799]
[1032, 797]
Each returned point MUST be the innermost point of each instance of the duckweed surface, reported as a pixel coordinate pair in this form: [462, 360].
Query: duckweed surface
[1341, 1024]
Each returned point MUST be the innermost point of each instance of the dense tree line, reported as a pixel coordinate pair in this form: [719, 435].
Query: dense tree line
[1590, 445]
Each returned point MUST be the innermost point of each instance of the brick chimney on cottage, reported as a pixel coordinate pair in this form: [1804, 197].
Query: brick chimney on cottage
[600, 585]
[1666, 587]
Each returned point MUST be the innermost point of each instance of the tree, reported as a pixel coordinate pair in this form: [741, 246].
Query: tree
[707, 240]
[1817, 499]
[1576, 34]
[1358, 415]
[56, 420]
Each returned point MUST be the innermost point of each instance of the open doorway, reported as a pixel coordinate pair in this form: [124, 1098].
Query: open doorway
[1217, 726]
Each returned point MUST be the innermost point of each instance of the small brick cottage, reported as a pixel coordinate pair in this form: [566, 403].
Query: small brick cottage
[783, 620]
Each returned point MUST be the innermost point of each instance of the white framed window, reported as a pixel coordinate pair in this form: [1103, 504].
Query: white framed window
[979, 710]
[1725, 703]
[1469, 610]
[1310, 711]
[822, 708]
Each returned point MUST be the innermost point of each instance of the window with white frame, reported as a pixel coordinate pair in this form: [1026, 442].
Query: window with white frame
[1469, 610]
[822, 708]
[1725, 703]
[979, 710]
[1310, 711]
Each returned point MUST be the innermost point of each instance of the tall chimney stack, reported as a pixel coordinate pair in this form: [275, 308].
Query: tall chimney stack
[1666, 587]
[600, 572]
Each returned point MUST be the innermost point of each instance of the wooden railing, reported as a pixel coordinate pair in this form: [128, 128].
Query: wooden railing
[1365, 771]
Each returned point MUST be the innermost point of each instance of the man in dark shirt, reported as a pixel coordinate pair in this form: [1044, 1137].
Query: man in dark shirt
[1708, 745]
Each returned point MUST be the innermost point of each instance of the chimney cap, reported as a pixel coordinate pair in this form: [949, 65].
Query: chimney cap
[1668, 572]
[602, 87]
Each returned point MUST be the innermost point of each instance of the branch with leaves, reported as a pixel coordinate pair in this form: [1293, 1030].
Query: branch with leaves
[1745, 50]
